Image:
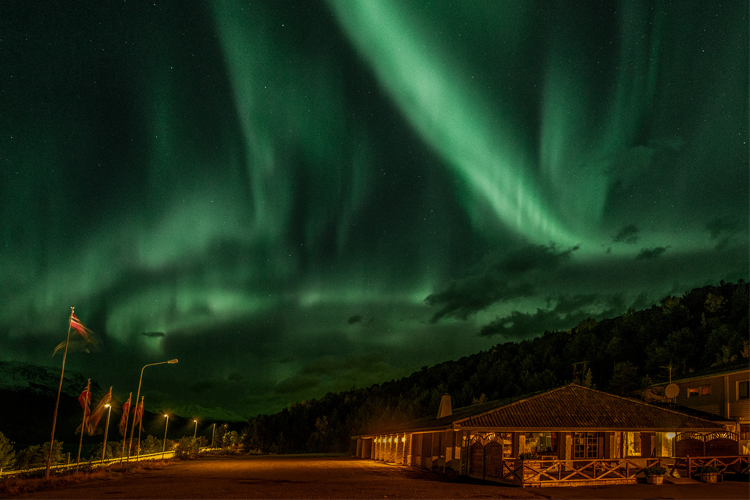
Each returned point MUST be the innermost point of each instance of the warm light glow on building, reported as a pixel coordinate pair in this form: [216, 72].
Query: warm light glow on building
[671, 435]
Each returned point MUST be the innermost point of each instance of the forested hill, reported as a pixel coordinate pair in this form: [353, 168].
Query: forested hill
[704, 328]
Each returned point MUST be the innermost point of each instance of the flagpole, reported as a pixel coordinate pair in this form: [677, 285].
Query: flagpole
[106, 427]
[57, 403]
[140, 426]
[124, 438]
[83, 425]
[137, 395]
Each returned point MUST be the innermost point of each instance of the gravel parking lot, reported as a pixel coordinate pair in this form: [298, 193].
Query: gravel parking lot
[340, 477]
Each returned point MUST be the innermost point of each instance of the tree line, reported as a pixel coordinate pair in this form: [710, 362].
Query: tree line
[704, 328]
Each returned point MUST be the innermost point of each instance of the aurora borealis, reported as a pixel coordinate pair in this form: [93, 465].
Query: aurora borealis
[301, 197]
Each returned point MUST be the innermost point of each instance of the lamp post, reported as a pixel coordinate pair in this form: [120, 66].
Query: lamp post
[164, 446]
[132, 430]
[106, 430]
[195, 432]
[213, 431]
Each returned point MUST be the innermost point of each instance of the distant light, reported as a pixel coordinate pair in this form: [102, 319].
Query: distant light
[107, 405]
[166, 415]
[403, 439]
[671, 435]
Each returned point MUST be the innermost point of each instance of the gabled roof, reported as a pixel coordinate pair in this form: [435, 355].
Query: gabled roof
[568, 408]
[574, 407]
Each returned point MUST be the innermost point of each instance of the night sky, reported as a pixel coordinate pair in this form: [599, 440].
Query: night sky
[301, 197]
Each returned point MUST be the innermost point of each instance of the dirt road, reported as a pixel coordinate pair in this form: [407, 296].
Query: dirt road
[338, 477]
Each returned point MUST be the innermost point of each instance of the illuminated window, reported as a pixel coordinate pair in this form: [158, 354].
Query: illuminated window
[585, 445]
[705, 391]
[546, 442]
[742, 390]
[632, 444]
[694, 392]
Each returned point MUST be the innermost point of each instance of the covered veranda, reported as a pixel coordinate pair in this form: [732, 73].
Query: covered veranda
[571, 436]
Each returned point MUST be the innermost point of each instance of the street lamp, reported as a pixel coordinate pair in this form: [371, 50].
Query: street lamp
[164, 446]
[106, 430]
[138, 394]
[213, 431]
[195, 432]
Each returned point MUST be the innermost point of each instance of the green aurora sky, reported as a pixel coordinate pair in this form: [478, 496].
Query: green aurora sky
[301, 197]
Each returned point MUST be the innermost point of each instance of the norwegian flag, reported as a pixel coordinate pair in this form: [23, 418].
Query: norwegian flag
[88, 338]
[76, 324]
[96, 415]
[85, 400]
[139, 411]
[124, 418]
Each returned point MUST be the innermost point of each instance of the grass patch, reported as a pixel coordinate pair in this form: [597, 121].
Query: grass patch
[29, 483]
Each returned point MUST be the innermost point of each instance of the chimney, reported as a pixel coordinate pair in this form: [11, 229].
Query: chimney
[445, 409]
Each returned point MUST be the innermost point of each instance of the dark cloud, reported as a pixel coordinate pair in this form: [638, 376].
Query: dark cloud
[296, 384]
[723, 230]
[568, 312]
[153, 334]
[509, 276]
[354, 319]
[628, 234]
[722, 227]
[650, 253]
[202, 386]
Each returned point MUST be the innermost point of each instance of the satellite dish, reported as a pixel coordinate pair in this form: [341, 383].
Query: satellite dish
[672, 390]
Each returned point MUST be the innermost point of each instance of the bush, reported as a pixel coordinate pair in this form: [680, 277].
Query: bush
[655, 470]
[187, 448]
[7, 454]
[36, 456]
[706, 469]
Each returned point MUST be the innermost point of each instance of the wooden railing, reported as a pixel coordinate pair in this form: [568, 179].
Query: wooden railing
[554, 472]
[739, 464]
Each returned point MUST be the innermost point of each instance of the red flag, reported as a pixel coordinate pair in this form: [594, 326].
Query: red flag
[96, 415]
[124, 418]
[85, 399]
[76, 324]
[139, 412]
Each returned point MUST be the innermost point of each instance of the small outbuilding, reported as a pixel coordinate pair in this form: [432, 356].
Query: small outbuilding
[566, 436]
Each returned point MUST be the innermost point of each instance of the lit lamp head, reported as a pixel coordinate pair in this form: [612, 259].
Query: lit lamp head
[671, 435]
[107, 405]
[166, 416]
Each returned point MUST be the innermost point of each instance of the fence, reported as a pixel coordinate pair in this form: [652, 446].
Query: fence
[554, 472]
[738, 464]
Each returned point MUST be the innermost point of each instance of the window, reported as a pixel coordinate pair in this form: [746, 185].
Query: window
[694, 392]
[744, 431]
[705, 391]
[585, 445]
[541, 443]
[632, 444]
[742, 389]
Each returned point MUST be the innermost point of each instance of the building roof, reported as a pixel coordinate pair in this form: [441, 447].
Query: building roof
[574, 407]
[715, 371]
[568, 408]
